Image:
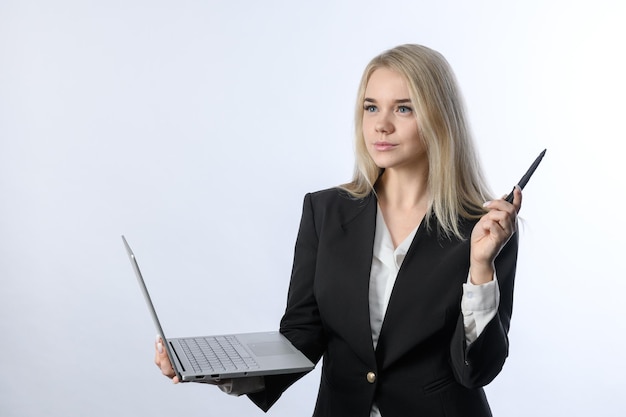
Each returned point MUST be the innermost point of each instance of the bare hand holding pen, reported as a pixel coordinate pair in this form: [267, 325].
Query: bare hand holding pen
[490, 235]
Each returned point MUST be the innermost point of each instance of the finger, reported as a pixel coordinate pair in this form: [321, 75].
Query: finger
[505, 219]
[166, 367]
[500, 210]
[501, 202]
[159, 351]
[157, 356]
[516, 202]
[494, 229]
[503, 212]
[517, 198]
[162, 360]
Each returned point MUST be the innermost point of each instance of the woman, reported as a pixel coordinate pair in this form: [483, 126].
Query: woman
[403, 278]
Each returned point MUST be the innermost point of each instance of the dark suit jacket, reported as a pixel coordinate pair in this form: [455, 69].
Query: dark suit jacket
[421, 366]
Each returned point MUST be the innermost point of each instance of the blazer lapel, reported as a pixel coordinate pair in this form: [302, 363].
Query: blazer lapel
[423, 291]
[349, 272]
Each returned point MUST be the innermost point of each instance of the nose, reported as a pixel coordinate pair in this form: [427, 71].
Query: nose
[383, 124]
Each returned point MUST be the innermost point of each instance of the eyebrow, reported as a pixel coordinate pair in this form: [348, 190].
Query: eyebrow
[400, 101]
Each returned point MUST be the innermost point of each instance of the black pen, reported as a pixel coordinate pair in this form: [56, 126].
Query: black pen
[527, 175]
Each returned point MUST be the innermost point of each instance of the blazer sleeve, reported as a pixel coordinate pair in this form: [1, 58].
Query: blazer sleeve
[301, 323]
[479, 363]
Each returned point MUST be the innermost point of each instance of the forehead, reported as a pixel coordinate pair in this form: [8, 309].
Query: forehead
[385, 82]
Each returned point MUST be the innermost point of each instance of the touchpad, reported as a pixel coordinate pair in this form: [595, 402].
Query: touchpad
[270, 348]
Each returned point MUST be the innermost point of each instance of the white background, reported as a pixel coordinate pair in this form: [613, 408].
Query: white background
[196, 127]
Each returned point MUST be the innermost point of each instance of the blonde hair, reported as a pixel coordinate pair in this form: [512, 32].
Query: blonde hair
[457, 187]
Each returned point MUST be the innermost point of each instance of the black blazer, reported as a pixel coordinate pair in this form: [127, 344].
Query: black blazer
[421, 366]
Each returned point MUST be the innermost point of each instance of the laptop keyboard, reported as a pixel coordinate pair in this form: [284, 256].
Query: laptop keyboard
[217, 354]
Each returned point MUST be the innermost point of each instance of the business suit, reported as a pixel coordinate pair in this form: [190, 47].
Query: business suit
[421, 366]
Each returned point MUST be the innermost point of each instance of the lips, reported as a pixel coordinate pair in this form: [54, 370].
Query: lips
[384, 146]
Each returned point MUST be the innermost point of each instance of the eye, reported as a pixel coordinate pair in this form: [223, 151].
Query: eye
[370, 108]
[404, 109]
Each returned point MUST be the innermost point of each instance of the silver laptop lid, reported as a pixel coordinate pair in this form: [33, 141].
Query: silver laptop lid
[153, 313]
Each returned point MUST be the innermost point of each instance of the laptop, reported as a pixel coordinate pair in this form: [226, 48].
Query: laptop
[198, 359]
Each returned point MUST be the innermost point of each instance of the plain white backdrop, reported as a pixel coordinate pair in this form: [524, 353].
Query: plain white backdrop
[196, 127]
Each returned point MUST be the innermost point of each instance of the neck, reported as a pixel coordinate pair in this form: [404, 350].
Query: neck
[403, 189]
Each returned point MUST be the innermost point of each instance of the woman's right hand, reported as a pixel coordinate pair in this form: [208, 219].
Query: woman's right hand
[162, 361]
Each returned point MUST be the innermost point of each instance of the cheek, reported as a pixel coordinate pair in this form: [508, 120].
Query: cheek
[367, 126]
[366, 143]
[411, 131]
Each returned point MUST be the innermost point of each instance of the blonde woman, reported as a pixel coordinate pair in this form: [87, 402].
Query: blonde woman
[403, 278]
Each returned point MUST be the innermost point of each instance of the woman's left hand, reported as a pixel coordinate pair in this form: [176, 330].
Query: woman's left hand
[490, 235]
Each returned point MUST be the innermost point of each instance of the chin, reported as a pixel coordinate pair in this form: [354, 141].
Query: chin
[384, 163]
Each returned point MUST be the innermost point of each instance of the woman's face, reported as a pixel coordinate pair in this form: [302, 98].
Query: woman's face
[389, 123]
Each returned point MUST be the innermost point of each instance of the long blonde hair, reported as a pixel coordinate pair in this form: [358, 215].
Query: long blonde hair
[456, 184]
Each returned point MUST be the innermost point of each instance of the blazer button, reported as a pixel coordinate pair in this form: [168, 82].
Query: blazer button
[371, 377]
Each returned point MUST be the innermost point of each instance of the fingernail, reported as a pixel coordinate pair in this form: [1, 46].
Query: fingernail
[486, 203]
[160, 347]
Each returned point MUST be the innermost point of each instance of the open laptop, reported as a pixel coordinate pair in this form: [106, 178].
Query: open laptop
[225, 356]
